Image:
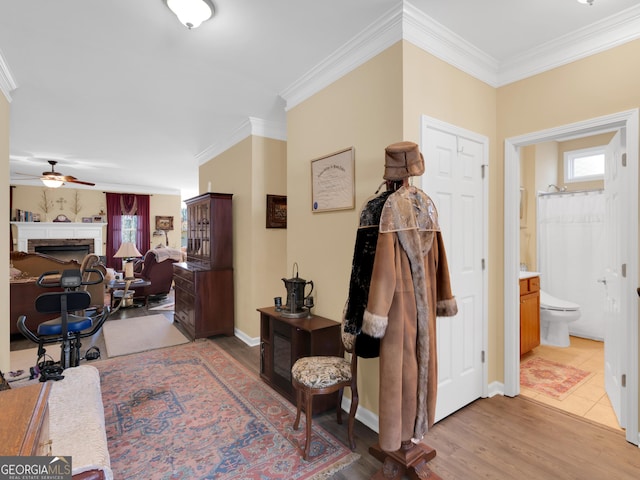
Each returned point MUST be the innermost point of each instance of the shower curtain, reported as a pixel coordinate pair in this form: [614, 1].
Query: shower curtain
[571, 243]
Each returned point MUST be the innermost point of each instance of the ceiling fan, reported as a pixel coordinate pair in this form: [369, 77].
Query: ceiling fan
[54, 179]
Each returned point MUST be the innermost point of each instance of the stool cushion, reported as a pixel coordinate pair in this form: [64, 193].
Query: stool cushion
[321, 372]
[54, 327]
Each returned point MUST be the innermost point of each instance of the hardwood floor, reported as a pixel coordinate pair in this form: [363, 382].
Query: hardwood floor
[496, 438]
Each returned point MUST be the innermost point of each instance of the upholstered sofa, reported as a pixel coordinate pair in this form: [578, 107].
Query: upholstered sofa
[157, 267]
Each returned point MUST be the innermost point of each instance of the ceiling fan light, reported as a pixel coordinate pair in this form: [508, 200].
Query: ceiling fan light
[191, 13]
[52, 183]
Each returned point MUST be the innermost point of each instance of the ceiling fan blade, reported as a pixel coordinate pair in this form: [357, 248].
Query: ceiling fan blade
[28, 175]
[81, 182]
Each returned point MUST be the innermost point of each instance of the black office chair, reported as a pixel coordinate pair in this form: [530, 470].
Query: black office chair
[69, 328]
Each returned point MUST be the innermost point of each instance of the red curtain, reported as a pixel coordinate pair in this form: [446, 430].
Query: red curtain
[119, 204]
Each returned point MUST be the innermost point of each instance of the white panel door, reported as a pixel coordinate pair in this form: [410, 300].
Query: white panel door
[614, 304]
[453, 179]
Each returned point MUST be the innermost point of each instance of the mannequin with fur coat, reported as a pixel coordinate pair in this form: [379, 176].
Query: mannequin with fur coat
[409, 287]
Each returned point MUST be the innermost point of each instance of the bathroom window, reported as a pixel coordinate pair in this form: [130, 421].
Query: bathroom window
[584, 165]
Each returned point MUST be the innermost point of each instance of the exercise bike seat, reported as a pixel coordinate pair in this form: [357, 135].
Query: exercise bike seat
[53, 302]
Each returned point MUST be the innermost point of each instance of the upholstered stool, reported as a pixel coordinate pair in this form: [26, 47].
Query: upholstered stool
[323, 375]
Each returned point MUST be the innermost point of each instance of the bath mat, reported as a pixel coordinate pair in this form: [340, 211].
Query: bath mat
[139, 334]
[550, 378]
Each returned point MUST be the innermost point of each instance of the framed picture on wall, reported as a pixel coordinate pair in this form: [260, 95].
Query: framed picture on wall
[333, 181]
[276, 211]
[164, 223]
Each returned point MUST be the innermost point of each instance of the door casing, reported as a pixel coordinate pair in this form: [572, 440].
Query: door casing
[629, 123]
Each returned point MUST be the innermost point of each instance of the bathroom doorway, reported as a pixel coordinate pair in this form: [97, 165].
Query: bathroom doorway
[563, 239]
[627, 333]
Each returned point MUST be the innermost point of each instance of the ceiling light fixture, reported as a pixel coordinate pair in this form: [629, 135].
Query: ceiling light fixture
[586, 2]
[52, 182]
[191, 13]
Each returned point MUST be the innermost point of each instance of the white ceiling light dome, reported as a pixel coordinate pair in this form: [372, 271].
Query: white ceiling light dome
[191, 13]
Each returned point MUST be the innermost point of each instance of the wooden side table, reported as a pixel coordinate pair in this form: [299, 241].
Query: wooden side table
[283, 340]
[120, 293]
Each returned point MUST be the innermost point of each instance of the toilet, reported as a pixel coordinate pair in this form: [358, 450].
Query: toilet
[555, 316]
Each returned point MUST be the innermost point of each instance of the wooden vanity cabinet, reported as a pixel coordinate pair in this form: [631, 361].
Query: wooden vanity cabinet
[529, 314]
[204, 294]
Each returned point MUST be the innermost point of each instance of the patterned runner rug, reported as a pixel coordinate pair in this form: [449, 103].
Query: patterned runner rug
[551, 378]
[194, 412]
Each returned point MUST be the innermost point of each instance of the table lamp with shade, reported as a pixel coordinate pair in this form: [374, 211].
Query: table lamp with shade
[127, 252]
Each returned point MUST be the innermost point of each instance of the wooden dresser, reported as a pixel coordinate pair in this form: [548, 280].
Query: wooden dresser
[284, 340]
[24, 421]
[204, 295]
[529, 314]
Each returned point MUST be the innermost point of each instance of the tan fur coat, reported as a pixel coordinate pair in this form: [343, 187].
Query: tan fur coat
[409, 287]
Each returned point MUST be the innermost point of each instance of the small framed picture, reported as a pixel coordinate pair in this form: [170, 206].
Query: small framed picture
[87, 220]
[98, 219]
[164, 223]
[276, 211]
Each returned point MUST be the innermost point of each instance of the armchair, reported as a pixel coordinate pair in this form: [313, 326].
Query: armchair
[157, 267]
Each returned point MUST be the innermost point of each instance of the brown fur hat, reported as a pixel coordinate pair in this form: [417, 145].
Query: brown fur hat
[402, 160]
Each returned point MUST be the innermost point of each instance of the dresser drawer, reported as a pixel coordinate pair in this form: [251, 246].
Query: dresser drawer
[181, 274]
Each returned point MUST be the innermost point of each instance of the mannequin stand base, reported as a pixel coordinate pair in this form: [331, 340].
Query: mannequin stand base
[411, 460]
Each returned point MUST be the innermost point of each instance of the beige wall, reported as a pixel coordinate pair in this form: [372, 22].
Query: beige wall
[4, 233]
[91, 202]
[602, 84]
[379, 103]
[251, 169]
[364, 110]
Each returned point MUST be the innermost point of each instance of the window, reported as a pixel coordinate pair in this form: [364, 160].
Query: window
[129, 228]
[584, 165]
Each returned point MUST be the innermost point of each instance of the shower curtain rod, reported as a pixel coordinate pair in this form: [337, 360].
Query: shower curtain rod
[570, 192]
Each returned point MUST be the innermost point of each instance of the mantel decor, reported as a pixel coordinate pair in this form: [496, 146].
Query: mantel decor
[333, 181]
[276, 211]
[164, 223]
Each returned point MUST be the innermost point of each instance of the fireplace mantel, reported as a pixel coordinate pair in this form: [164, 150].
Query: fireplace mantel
[58, 230]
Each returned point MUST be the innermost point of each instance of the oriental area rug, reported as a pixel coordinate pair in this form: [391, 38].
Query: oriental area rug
[194, 412]
[550, 378]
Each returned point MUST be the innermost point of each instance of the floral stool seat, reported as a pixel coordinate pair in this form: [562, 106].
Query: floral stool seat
[322, 375]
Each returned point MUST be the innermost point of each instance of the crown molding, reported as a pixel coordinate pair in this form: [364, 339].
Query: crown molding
[268, 128]
[413, 25]
[7, 83]
[251, 126]
[608, 33]
[436, 39]
[374, 39]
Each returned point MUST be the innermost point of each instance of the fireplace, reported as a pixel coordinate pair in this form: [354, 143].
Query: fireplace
[65, 251]
[60, 238]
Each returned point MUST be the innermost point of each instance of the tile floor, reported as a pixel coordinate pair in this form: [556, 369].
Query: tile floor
[589, 400]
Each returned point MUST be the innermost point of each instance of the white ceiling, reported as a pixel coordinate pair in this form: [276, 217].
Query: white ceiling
[124, 96]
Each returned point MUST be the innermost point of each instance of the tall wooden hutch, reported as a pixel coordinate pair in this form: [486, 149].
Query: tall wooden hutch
[204, 297]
